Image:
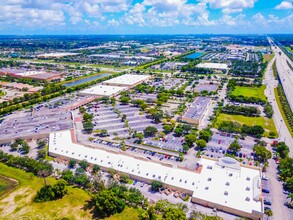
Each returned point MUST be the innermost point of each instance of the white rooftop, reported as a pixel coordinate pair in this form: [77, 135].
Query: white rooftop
[29, 73]
[234, 186]
[103, 90]
[127, 79]
[222, 66]
[59, 54]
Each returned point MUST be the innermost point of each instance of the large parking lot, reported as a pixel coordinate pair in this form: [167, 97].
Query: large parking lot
[29, 123]
[107, 117]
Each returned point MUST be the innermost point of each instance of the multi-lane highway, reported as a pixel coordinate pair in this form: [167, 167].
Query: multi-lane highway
[287, 82]
[284, 71]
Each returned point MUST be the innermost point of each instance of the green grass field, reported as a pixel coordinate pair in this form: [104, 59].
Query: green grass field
[257, 92]
[19, 204]
[127, 214]
[6, 185]
[267, 123]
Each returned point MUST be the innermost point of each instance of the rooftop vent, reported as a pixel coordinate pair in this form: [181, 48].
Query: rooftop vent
[227, 184]
[230, 174]
[209, 179]
[206, 188]
[248, 178]
[247, 199]
[226, 193]
[247, 188]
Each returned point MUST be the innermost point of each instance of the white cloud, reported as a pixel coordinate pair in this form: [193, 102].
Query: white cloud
[18, 13]
[230, 6]
[284, 5]
[167, 13]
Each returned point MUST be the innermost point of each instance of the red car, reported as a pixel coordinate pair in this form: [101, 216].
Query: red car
[219, 142]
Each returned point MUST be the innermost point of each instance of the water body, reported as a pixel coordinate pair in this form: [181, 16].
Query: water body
[88, 79]
[194, 55]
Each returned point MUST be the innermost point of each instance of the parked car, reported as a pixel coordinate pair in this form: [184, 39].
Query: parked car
[267, 202]
[265, 190]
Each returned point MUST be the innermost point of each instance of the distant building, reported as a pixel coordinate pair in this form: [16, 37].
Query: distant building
[31, 74]
[103, 90]
[215, 66]
[127, 80]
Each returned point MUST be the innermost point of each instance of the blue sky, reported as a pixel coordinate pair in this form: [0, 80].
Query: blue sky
[146, 16]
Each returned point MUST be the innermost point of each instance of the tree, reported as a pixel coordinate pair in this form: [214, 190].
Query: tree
[205, 135]
[96, 169]
[150, 131]
[104, 133]
[59, 189]
[290, 196]
[269, 212]
[67, 175]
[235, 146]
[82, 109]
[174, 214]
[282, 149]
[41, 143]
[72, 163]
[83, 164]
[262, 153]
[43, 174]
[190, 139]
[155, 114]
[139, 136]
[88, 126]
[156, 185]
[286, 168]
[123, 118]
[168, 128]
[25, 148]
[45, 194]
[107, 203]
[87, 117]
[49, 193]
[289, 184]
[124, 99]
[42, 154]
[178, 131]
[201, 144]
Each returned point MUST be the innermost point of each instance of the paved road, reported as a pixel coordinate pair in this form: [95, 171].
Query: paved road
[280, 211]
[284, 134]
[285, 73]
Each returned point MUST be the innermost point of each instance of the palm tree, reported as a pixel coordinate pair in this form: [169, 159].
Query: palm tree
[44, 174]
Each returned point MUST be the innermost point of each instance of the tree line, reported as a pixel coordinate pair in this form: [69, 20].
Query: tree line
[241, 110]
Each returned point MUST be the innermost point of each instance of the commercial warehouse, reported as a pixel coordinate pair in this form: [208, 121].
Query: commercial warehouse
[215, 66]
[224, 184]
[195, 113]
[24, 73]
[103, 90]
[127, 80]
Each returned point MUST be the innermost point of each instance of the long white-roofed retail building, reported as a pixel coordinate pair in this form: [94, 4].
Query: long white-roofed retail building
[224, 184]
[103, 90]
[128, 80]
